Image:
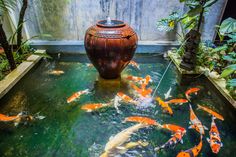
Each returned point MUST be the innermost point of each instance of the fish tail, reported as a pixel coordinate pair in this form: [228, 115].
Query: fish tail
[213, 118]
[87, 91]
[199, 107]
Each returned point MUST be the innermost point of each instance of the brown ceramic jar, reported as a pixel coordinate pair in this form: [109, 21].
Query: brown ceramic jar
[110, 45]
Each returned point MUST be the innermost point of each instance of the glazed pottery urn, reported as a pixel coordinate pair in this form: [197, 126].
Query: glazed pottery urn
[110, 45]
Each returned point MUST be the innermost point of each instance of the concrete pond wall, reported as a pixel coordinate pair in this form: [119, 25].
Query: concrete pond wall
[69, 19]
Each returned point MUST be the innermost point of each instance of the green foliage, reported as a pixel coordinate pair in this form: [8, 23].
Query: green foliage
[228, 27]
[169, 23]
[6, 5]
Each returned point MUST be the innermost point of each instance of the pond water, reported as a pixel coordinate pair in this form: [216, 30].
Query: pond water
[67, 130]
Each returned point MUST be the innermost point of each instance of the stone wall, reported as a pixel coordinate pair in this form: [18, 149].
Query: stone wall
[69, 19]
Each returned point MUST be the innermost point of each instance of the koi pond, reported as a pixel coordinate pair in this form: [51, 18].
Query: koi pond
[64, 129]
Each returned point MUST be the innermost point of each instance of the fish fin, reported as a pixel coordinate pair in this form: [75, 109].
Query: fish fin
[205, 127]
[181, 141]
[111, 137]
[199, 107]
[208, 140]
[143, 143]
[221, 144]
[213, 118]
[157, 149]
[189, 122]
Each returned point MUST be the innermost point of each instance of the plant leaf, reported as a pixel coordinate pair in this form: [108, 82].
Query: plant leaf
[228, 26]
[220, 48]
[229, 70]
[195, 11]
[232, 82]
[210, 3]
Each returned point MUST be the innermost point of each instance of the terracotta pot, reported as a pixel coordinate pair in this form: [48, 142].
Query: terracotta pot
[110, 46]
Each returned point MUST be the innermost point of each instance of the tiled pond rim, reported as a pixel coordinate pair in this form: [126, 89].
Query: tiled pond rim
[13, 77]
[219, 83]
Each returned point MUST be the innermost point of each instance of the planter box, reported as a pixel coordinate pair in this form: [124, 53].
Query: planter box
[219, 83]
[13, 77]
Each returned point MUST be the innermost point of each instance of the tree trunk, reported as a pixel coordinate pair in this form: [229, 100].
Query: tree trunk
[20, 25]
[7, 49]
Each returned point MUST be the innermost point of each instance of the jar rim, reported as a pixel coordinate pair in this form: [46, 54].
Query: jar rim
[114, 24]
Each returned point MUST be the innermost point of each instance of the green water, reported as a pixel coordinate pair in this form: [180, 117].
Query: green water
[66, 130]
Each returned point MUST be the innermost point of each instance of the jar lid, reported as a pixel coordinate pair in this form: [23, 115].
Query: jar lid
[110, 23]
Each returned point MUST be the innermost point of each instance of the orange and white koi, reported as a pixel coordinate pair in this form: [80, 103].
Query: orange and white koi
[193, 152]
[146, 81]
[174, 140]
[164, 106]
[134, 78]
[56, 72]
[77, 95]
[126, 98]
[141, 91]
[143, 120]
[95, 106]
[173, 128]
[213, 113]
[196, 123]
[190, 91]
[177, 101]
[215, 140]
[134, 64]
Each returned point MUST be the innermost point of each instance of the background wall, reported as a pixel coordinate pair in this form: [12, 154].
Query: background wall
[69, 19]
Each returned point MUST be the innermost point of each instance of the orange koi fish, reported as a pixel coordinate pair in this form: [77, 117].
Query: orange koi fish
[193, 152]
[174, 140]
[214, 141]
[134, 64]
[92, 107]
[143, 120]
[126, 98]
[164, 106]
[196, 123]
[213, 113]
[174, 128]
[141, 91]
[190, 91]
[177, 101]
[134, 78]
[77, 95]
[146, 81]
[5, 118]
[16, 119]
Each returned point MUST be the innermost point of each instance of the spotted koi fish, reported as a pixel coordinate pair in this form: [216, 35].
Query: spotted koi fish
[190, 91]
[77, 95]
[143, 120]
[173, 128]
[215, 140]
[134, 64]
[177, 101]
[196, 123]
[134, 78]
[95, 106]
[141, 91]
[193, 152]
[174, 140]
[146, 81]
[126, 98]
[213, 113]
[164, 106]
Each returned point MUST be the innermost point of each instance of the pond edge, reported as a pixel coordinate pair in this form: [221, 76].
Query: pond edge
[14, 76]
[219, 83]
